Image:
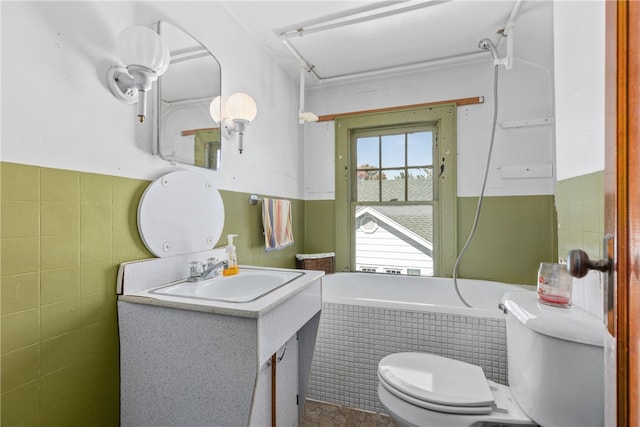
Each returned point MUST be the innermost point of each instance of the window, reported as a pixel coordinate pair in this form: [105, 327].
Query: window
[393, 188]
[395, 192]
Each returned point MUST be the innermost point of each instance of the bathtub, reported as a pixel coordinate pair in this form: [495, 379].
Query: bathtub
[366, 316]
[416, 293]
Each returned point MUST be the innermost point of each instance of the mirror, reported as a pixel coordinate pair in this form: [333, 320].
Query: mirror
[184, 130]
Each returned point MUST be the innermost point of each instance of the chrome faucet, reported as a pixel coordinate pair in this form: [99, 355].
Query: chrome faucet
[203, 270]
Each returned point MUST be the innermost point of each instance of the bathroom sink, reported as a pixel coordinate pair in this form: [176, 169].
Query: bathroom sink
[247, 285]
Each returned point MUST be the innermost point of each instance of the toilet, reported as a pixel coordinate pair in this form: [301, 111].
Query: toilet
[555, 362]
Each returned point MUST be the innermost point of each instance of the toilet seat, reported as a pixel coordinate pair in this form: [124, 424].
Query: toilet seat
[436, 383]
[463, 410]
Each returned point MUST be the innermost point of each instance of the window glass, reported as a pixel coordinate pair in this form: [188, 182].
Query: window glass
[394, 238]
[394, 186]
[420, 184]
[416, 152]
[394, 167]
[369, 151]
[393, 150]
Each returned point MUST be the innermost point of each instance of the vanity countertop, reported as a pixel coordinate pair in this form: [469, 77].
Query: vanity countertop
[307, 285]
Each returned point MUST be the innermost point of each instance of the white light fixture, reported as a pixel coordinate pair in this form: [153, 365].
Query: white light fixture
[304, 116]
[146, 58]
[234, 114]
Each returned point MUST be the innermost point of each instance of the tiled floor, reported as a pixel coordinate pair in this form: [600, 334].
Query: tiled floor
[320, 414]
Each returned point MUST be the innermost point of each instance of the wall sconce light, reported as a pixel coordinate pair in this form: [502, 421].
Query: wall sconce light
[146, 58]
[234, 114]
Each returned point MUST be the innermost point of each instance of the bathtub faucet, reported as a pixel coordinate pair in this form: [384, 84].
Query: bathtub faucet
[203, 270]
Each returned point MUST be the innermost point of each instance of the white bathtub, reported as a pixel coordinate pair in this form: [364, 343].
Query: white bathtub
[416, 293]
[367, 316]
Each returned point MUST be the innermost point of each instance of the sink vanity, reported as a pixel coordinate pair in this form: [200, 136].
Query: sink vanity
[207, 353]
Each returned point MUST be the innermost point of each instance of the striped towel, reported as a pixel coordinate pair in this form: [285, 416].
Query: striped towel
[276, 219]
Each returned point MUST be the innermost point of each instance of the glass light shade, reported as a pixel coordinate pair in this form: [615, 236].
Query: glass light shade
[217, 109]
[241, 106]
[138, 45]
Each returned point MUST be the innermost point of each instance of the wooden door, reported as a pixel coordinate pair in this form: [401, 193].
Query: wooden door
[622, 208]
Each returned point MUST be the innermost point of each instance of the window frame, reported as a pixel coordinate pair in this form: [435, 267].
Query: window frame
[443, 118]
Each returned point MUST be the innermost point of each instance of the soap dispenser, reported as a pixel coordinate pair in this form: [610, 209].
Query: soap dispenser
[232, 268]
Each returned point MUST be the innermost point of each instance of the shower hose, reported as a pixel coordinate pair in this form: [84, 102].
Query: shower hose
[484, 184]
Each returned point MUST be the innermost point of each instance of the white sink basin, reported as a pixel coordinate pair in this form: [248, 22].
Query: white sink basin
[247, 285]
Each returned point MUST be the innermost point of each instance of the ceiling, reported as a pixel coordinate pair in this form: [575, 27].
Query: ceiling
[341, 40]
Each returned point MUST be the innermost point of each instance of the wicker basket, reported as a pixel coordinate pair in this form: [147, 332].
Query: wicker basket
[323, 262]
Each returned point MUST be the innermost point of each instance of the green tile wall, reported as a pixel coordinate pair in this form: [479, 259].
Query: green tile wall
[64, 233]
[580, 204]
[320, 226]
[246, 220]
[514, 234]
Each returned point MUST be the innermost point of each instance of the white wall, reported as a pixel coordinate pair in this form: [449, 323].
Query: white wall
[579, 82]
[525, 92]
[65, 117]
[579, 98]
[57, 111]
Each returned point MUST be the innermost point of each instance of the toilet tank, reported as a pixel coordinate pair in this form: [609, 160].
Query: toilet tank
[555, 361]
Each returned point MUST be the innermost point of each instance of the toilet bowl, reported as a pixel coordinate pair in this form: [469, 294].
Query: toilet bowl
[421, 389]
[555, 360]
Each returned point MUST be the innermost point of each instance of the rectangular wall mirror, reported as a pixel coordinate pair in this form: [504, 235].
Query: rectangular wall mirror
[184, 130]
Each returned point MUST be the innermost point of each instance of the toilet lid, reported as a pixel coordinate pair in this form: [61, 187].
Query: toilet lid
[448, 409]
[437, 380]
[180, 212]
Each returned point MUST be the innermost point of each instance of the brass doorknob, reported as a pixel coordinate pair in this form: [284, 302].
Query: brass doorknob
[579, 264]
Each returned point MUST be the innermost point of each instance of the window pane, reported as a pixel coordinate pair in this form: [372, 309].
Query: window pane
[368, 169]
[368, 190]
[367, 153]
[420, 184]
[394, 239]
[420, 149]
[392, 151]
[394, 186]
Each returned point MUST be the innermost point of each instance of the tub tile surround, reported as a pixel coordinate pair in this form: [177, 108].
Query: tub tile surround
[352, 340]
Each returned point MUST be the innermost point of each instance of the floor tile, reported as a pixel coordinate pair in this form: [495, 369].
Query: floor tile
[321, 414]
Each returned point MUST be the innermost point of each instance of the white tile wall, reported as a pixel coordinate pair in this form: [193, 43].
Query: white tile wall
[352, 340]
[588, 293]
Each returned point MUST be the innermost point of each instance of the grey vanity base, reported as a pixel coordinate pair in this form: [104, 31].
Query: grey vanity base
[181, 367]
